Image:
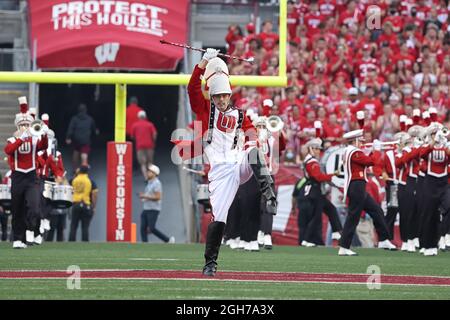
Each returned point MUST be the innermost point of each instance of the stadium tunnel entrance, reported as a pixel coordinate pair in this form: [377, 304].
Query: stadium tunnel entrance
[61, 101]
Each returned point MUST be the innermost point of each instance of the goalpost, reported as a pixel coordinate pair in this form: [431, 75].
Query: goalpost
[119, 183]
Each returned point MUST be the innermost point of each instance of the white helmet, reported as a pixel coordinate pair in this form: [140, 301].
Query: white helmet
[219, 84]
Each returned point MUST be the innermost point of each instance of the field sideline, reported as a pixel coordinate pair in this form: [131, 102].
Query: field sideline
[160, 271]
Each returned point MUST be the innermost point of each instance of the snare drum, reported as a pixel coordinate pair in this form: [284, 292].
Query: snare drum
[202, 194]
[5, 196]
[62, 196]
[48, 189]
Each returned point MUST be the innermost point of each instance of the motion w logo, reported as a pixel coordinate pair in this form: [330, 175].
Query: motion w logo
[107, 52]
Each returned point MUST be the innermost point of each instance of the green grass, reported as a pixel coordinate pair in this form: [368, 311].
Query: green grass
[58, 256]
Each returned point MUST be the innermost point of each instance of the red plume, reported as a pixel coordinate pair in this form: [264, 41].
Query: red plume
[360, 117]
[23, 104]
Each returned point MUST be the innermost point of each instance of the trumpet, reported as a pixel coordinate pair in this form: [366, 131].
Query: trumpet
[384, 145]
[274, 124]
[36, 128]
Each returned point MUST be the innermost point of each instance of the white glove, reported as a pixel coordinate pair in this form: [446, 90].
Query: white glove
[45, 129]
[376, 145]
[210, 53]
[24, 135]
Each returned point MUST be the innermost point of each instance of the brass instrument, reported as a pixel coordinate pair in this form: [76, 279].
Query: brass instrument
[274, 124]
[384, 144]
[36, 128]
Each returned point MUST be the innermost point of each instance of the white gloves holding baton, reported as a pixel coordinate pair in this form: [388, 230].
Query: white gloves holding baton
[210, 54]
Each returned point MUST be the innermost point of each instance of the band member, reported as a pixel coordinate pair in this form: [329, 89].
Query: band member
[407, 186]
[52, 171]
[412, 187]
[311, 199]
[22, 151]
[230, 166]
[272, 139]
[391, 176]
[435, 185]
[355, 164]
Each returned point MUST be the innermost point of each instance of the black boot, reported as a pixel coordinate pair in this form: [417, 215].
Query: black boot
[265, 181]
[213, 240]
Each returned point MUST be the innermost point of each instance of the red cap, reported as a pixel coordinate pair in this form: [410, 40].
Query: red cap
[250, 27]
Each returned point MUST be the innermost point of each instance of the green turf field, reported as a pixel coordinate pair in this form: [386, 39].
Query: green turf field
[58, 256]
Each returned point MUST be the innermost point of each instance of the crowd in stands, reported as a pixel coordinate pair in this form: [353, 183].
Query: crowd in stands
[338, 64]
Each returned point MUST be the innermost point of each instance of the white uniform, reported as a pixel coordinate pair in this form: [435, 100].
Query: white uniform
[229, 167]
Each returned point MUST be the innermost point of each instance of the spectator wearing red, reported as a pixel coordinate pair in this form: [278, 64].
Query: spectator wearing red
[307, 130]
[234, 34]
[291, 100]
[365, 63]
[144, 133]
[333, 131]
[387, 124]
[313, 19]
[347, 17]
[394, 18]
[132, 114]
[341, 62]
[268, 38]
[293, 19]
[327, 8]
[371, 104]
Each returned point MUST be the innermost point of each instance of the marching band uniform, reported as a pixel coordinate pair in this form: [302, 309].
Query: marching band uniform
[312, 202]
[272, 147]
[22, 151]
[230, 166]
[355, 164]
[391, 165]
[435, 185]
[406, 190]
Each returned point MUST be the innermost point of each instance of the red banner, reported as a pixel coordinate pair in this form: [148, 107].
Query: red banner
[112, 34]
[119, 168]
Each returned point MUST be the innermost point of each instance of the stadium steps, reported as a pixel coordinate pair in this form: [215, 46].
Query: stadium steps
[8, 108]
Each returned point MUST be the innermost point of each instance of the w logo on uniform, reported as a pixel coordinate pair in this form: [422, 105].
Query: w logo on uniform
[107, 52]
[226, 123]
[25, 147]
[438, 155]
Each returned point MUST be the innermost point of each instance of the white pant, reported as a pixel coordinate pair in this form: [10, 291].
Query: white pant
[224, 182]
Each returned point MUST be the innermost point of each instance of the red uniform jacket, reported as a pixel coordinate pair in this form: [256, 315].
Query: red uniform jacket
[408, 161]
[22, 154]
[312, 170]
[360, 161]
[437, 160]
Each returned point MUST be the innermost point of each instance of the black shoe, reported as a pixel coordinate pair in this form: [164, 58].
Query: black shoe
[210, 269]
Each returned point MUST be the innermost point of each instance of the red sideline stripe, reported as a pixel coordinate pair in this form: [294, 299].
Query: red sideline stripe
[228, 275]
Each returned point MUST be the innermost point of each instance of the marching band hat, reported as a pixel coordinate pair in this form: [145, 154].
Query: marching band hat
[352, 135]
[314, 143]
[403, 137]
[415, 130]
[24, 115]
[260, 121]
